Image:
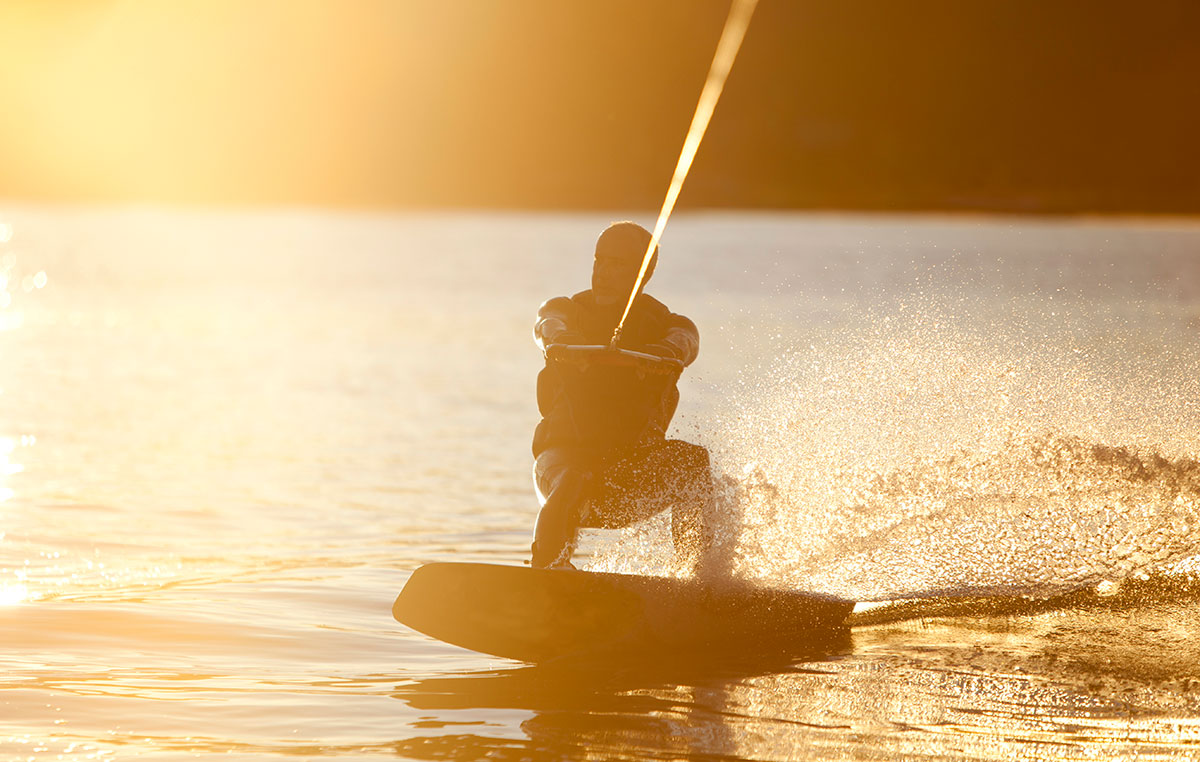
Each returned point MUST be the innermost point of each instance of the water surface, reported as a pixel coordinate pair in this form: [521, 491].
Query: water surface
[226, 439]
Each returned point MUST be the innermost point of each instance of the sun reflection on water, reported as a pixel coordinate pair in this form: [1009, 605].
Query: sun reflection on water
[7, 467]
[8, 263]
[12, 594]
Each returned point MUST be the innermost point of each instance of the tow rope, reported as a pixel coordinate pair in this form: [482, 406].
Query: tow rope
[727, 49]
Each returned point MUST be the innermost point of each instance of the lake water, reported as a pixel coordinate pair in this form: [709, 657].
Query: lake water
[227, 439]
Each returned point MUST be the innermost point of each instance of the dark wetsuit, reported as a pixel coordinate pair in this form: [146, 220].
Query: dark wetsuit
[602, 456]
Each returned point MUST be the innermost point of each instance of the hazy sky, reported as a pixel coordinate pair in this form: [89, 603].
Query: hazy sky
[1047, 105]
[211, 98]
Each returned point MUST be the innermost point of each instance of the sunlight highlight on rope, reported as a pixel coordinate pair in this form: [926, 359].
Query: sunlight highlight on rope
[727, 50]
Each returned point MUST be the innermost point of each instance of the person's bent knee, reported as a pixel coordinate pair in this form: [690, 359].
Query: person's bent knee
[557, 469]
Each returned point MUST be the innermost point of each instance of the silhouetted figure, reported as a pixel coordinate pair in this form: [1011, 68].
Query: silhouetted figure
[602, 456]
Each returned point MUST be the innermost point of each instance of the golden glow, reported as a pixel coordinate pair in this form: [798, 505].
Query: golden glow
[13, 593]
[727, 50]
[7, 467]
[7, 262]
[195, 98]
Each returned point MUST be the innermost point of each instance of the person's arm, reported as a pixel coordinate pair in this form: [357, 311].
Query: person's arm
[682, 339]
[553, 323]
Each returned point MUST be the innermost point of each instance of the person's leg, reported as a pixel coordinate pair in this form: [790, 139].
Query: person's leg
[687, 478]
[670, 474]
[562, 481]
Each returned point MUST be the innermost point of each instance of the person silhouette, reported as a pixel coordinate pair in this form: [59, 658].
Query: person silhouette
[601, 456]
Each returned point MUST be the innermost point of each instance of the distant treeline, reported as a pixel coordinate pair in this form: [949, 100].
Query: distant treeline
[1005, 105]
[1009, 105]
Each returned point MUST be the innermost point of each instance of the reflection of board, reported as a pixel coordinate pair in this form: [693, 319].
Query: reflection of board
[538, 614]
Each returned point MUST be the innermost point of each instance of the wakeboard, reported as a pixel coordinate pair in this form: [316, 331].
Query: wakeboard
[540, 615]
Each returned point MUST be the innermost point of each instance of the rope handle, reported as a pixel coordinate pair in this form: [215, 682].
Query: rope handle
[584, 356]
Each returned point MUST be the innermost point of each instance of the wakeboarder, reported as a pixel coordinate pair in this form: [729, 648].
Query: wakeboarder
[602, 458]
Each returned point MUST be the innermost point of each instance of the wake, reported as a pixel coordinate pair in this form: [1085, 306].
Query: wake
[1039, 516]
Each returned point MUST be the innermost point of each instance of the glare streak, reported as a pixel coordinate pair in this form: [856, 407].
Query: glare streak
[727, 50]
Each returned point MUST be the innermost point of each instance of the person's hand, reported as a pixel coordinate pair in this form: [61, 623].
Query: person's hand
[665, 351]
[568, 338]
[555, 352]
[561, 350]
